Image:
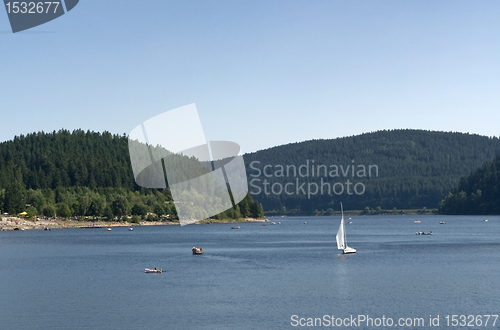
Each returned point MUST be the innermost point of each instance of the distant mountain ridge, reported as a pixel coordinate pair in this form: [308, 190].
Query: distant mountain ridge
[410, 168]
[416, 169]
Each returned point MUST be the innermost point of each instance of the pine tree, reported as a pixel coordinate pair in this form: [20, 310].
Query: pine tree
[15, 196]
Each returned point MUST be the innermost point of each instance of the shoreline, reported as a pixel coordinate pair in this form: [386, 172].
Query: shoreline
[11, 223]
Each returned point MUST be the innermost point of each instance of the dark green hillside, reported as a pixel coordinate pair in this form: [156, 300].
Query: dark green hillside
[82, 173]
[90, 173]
[416, 169]
[65, 159]
[478, 193]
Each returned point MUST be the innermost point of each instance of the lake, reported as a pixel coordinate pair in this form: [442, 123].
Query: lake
[256, 277]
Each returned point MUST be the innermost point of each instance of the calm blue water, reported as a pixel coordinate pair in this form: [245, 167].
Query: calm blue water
[253, 278]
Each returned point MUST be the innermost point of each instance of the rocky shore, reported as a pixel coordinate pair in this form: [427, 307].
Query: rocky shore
[16, 223]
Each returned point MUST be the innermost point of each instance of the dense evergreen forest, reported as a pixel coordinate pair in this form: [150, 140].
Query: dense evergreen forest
[88, 173]
[416, 169]
[478, 193]
[83, 174]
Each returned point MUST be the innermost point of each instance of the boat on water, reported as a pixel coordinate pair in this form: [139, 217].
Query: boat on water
[341, 237]
[91, 226]
[197, 250]
[442, 223]
[273, 223]
[417, 221]
[485, 220]
[350, 222]
[423, 233]
[131, 229]
[147, 270]
[235, 227]
[109, 229]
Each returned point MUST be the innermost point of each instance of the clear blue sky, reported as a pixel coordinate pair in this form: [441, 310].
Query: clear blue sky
[262, 73]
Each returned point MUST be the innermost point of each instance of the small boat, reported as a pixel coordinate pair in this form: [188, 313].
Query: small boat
[423, 233]
[109, 229]
[91, 226]
[350, 222]
[305, 222]
[341, 238]
[485, 220]
[279, 222]
[273, 223]
[442, 223]
[197, 250]
[235, 227]
[147, 270]
[131, 229]
[417, 221]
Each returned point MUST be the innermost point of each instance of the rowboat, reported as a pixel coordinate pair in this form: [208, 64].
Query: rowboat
[153, 270]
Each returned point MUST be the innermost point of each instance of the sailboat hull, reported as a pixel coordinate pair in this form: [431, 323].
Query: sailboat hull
[349, 250]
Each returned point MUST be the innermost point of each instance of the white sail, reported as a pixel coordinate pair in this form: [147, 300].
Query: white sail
[340, 235]
[341, 240]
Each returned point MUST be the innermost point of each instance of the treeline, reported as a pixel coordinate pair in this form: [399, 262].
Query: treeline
[84, 174]
[416, 169]
[478, 193]
[107, 203]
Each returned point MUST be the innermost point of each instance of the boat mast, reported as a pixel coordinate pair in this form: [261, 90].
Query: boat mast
[343, 225]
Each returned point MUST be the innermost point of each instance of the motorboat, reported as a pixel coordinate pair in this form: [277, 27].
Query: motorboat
[423, 233]
[235, 227]
[147, 270]
[197, 250]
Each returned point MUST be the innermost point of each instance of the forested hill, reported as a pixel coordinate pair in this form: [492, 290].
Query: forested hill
[478, 193]
[65, 159]
[83, 174]
[416, 169]
[402, 169]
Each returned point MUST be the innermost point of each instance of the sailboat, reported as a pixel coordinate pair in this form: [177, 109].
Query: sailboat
[341, 240]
